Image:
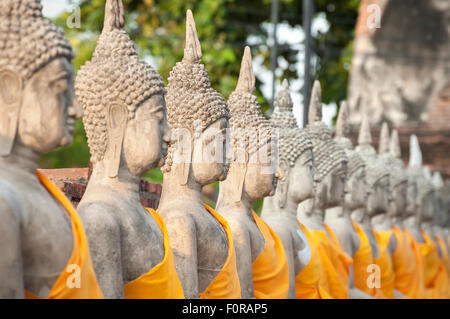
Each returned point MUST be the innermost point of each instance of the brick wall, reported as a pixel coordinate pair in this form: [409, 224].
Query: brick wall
[73, 182]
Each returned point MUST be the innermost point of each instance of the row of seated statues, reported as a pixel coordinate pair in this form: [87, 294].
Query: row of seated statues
[338, 221]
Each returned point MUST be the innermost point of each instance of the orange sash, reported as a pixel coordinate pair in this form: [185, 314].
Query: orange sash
[445, 260]
[308, 281]
[411, 242]
[407, 273]
[332, 267]
[89, 288]
[226, 284]
[436, 279]
[384, 260]
[162, 281]
[435, 275]
[362, 259]
[270, 268]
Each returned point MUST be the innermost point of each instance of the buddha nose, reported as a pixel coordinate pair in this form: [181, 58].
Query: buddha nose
[279, 173]
[75, 111]
[167, 133]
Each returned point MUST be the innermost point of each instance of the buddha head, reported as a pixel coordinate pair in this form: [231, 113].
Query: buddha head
[36, 80]
[294, 151]
[425, 192]
[330, 160]
[355, 185]
[398, 180]
[123, 102]
[251, 151]
[198, 117]
[377, 173]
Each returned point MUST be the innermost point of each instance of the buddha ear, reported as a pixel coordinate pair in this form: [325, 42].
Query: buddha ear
[116, 119]
[283, 183]
[11, 86]
[182, 155]
[238, 172]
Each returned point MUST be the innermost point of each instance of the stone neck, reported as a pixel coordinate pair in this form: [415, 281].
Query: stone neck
[172, 190]
[226, 202]
[310, 216]
[427, 227]
[337, 213]
[125, 183]
[381, 222]
[271, 207]
[412, 224]
[397, 221]
[22, 158]
[361, 218]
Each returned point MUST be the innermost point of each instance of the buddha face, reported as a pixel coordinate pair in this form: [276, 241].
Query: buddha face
[411, 198]
[49, 108]
[146, 136]
[209, 154]
[378, 199]
[399, 199]
[356, 190]
[260, 180]
[331, 188]
[301, 178]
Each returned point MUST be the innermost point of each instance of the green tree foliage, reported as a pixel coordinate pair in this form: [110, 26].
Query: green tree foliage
[158, 28]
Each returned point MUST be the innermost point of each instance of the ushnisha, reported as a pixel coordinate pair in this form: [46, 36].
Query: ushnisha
[125, 122]
[200, 238]
[260, 256]
[42, 237]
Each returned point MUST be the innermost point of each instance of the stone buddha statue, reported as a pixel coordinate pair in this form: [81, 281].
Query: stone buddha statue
[425, 192]
[330, 163]
[200, 238]
[398, 181]
[42, 239]
[339, 218]
[377, 177]
[330, 167]
[430, 248]
[440, 215]
[411, 218]
[375, 220]
[296, 185]
[260, 256]
[125, 122]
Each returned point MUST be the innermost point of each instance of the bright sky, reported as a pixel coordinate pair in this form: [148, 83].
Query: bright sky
[285, 33]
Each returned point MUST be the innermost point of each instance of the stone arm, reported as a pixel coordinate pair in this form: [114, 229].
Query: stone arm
[291, 253]
[11, 267]
[349, 241]
[392, 244]
[244, 260]
[103, 233]
[183, 241]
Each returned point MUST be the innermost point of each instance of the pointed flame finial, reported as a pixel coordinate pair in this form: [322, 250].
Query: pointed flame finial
[193, 49]
[342, 125]
[114, 16]
[365, 137]
[415, 154]
[395, 145]
[315, 104]
[383, 146]
[246, 82]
